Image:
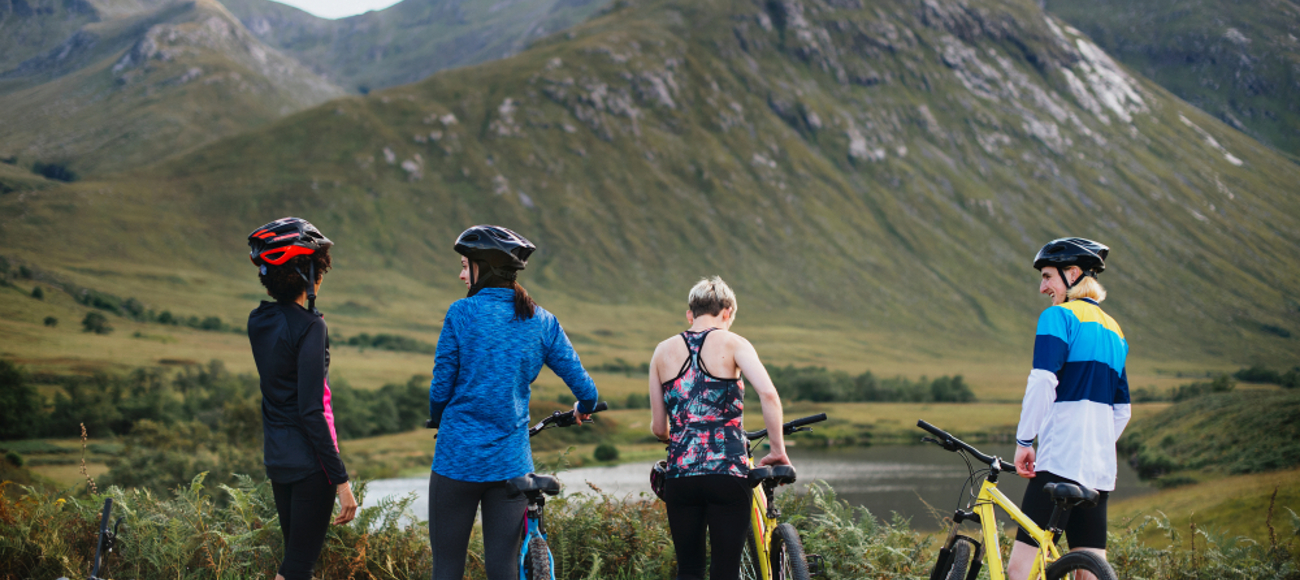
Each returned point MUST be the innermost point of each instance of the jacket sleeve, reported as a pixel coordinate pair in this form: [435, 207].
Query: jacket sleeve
[1123, 408]
[562, 359]
[446, 367]
[311, 402]
[1051, 349]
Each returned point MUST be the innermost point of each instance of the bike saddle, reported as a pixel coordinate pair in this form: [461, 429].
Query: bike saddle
[1071, 495]
[533, 483]
[778, 474]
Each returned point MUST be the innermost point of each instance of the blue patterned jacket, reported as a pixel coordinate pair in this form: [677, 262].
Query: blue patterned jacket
[483, 371]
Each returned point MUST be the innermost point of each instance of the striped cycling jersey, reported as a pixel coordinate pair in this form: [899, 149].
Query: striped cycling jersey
[1076, 401]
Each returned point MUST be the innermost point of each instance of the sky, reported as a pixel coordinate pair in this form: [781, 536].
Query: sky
[338, 8]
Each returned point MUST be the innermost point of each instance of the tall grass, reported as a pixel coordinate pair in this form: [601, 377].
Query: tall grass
[189, 534]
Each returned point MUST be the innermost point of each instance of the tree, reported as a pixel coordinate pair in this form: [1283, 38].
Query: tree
[19, 405]
[96, 323]
[38, 294]
[51, 321]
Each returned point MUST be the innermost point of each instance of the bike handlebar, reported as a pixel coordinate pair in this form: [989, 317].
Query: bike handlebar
[561, 419]
[788, 428]
[947, 441]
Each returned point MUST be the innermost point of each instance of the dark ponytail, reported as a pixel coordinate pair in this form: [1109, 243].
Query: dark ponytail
[525, 308]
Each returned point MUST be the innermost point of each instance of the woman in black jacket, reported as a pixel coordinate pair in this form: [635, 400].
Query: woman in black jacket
[291, 347]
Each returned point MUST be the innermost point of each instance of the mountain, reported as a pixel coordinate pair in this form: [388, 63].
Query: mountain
[889, 167]
[409, 40]
[142, 82]
[1238, 61]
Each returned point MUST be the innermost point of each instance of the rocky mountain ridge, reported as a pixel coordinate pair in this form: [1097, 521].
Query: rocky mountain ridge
[891, 166]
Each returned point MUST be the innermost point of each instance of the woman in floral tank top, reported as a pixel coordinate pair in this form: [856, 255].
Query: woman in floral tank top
[697, 399]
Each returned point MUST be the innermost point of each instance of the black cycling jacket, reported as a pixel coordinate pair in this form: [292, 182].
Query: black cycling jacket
[291, 347]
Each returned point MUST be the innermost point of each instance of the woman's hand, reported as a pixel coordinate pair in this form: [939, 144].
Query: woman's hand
[347, 504]
[775, 458]
[1025, 461]
[578, 416]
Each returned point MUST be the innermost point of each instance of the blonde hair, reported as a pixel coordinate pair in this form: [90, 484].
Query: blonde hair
[711, 296]
[1088, 287]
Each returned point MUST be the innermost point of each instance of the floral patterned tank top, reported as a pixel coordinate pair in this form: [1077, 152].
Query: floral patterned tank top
[705, 414]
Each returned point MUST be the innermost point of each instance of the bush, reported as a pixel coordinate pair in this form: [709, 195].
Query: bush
[1220, 384]
[635, 401]
[606, 452]
[38, 294]
[56, 171]
[392, 342]
[96, 323]
[14, 459]
[51, 321]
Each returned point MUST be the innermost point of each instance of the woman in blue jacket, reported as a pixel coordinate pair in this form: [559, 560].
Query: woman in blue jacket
[493, 344]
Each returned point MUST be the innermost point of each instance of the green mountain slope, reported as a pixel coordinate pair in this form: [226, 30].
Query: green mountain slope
[1239, 61]
[889, 167]
[125, 91]
[410, 40]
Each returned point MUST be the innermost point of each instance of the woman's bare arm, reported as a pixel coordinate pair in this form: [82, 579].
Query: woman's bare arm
[658, 412]
[756, 376]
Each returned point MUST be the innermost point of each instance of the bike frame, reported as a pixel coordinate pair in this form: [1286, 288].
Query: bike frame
[990, 496]
[763, 516]
[534, 527]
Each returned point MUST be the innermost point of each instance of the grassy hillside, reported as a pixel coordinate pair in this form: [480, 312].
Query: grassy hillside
[410, 40]
[872, 179]
[1238, 61]
[127, 91]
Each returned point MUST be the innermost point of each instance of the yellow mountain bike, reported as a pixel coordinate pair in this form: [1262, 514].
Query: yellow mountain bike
[773, 549]
[962, 555]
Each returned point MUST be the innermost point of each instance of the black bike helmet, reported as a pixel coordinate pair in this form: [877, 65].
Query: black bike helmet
[280, 241]
[503, 252]
[1062, 253]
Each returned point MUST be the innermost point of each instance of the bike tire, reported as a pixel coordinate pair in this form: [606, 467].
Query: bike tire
[749, 559]
[963, 549]
[788, 562]
[1081, 560]
[538, 563]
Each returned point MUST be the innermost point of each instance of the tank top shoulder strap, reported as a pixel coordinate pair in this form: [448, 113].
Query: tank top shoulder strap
[694, 342]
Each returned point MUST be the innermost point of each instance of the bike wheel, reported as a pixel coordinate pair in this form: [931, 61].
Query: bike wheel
[958, 561]
[537, 564]
[788, 562]
[749, 559]
[1081, 561]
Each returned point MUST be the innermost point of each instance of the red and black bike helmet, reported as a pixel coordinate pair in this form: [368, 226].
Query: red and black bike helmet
[276, 243]
[283, 239]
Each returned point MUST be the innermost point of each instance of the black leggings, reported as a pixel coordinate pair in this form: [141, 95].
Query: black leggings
[1084, 528]
[719, 503]
[452, 505]
[305, 507]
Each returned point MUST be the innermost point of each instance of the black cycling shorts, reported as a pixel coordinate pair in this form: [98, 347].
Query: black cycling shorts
[1085, 528]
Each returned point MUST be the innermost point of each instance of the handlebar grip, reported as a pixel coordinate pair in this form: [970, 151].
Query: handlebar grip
[937, 432]
[1007, 467]
[797, 423]
[600, 406]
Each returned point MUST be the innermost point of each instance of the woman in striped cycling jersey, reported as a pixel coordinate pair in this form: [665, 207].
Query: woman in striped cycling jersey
[1076, 402]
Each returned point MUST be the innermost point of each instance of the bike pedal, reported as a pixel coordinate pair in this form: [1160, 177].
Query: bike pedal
[816, 564]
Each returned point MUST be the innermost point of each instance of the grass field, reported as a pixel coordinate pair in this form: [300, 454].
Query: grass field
[1232, 506]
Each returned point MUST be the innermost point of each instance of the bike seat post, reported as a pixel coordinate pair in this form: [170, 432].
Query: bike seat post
[1060, 516]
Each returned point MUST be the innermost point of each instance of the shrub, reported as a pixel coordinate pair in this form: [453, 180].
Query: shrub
[38, 294]
[96, 323]
[606, 452]
[638, 401]
[19, 403]
[51, 321]
[57, 171]
[14, 459]
[1220, 384]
